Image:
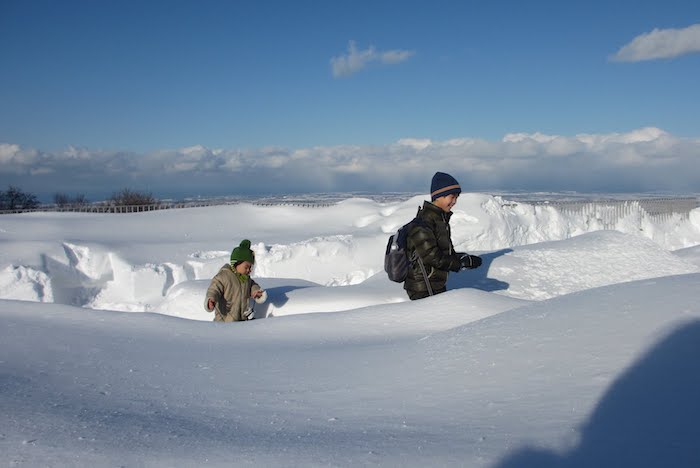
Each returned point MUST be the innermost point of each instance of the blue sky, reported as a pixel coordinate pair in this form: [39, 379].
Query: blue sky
[143, 79]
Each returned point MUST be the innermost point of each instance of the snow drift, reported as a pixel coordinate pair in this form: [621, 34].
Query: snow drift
[570, 347]
[156, 262]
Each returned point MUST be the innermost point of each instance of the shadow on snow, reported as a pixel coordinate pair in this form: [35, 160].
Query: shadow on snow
[647, 418]
[478, 278]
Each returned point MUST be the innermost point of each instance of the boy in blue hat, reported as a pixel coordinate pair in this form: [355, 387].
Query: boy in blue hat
[430, 242]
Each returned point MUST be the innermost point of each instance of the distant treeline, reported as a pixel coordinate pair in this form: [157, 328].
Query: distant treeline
[16, 199]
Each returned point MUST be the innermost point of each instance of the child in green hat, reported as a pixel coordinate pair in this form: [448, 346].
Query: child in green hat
[232, 288]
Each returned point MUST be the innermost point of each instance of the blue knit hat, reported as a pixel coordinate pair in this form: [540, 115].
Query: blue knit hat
[443, 184]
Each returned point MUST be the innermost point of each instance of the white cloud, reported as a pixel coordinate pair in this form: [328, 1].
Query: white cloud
[661, 44]
[640, 160]
[416, 143]
[396, 56]
[356, 60]
[520, 137]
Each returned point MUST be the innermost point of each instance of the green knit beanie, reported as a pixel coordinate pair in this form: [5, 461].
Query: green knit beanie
[242, 253]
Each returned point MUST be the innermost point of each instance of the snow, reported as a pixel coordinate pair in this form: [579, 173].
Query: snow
[572, 346]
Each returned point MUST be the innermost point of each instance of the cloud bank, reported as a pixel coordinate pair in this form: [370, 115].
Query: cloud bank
[661, 44]
[356, 60]
[647, 159]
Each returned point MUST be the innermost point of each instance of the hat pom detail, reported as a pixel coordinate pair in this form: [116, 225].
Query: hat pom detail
[245, 244]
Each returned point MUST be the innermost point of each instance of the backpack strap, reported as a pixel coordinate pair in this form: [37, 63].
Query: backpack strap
[425, 275]
[415, 257]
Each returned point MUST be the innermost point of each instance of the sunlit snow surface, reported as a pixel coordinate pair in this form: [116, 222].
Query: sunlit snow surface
[571, 346]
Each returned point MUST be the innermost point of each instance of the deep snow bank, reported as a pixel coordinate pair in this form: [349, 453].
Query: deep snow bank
[554, 268]
[606, 377]
[161, 261]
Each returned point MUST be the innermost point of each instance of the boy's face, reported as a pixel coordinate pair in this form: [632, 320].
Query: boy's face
[446, 202]
[244, 268]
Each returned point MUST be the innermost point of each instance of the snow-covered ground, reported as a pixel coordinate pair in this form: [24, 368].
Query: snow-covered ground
[570, 347]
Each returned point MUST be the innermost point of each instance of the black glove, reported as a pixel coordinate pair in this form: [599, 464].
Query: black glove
[470, 261]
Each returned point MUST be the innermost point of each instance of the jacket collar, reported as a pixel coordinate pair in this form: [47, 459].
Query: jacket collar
[436, 210]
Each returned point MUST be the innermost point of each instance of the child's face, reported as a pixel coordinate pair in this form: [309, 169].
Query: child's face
[447, 202]
[244, 268]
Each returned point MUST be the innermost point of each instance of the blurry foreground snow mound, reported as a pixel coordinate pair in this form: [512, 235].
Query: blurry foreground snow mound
[607, 377]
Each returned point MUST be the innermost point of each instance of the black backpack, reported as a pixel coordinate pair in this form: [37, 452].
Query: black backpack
[396, 259]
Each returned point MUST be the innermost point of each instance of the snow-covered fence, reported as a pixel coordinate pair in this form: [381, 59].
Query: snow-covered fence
[609, 212]
[107, 208]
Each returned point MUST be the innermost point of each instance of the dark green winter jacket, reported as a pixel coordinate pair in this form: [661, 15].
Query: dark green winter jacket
[431, 240]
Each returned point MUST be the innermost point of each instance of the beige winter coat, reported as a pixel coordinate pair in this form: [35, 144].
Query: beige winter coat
[231, 296]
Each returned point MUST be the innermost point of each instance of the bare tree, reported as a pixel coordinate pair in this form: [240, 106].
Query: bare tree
[128, 197]
[63, 200]
[15, 199]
